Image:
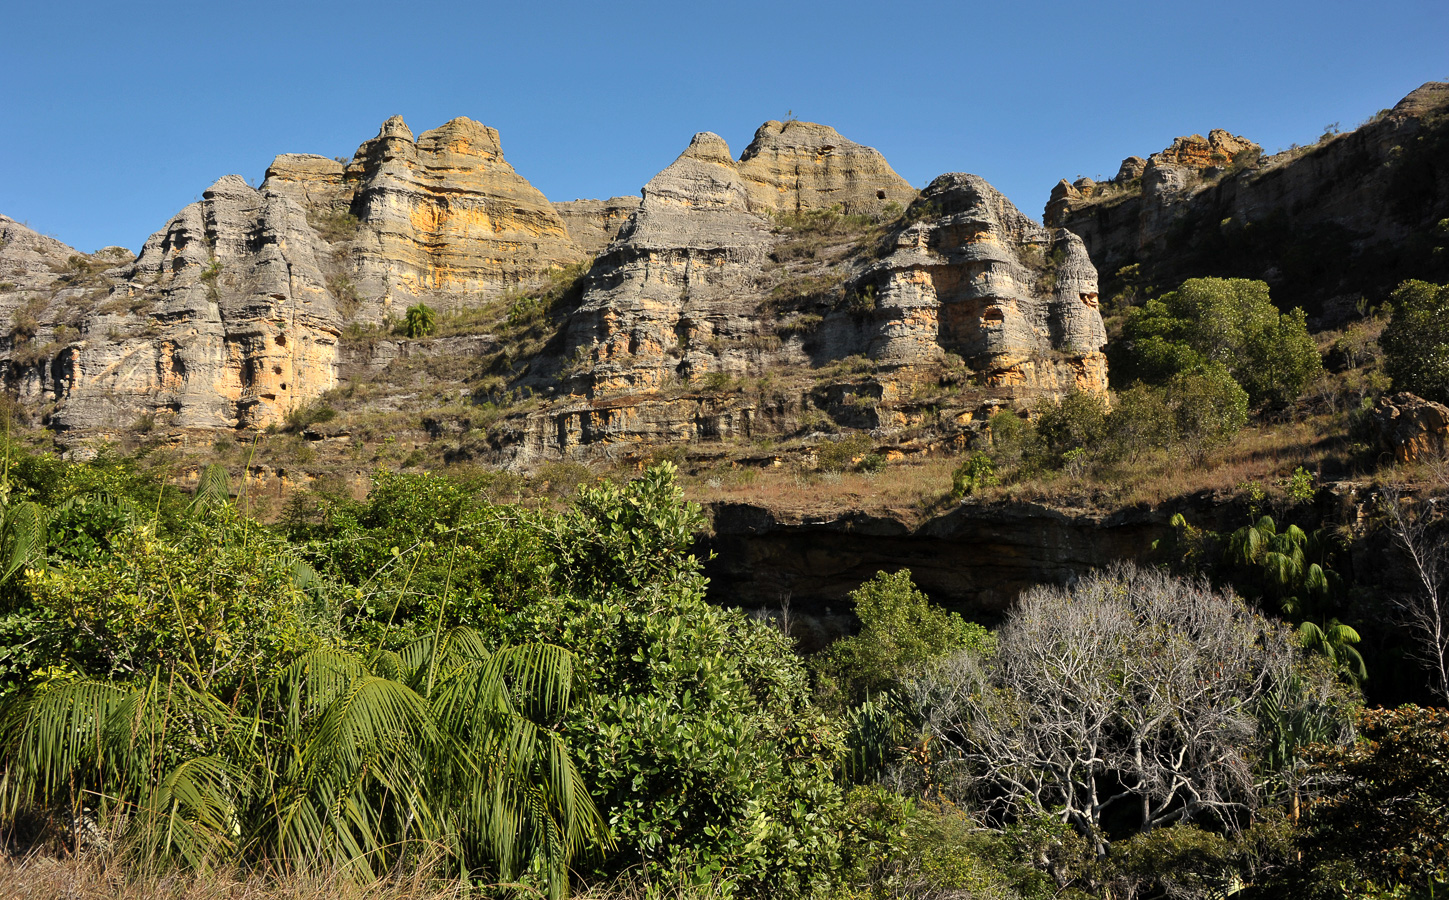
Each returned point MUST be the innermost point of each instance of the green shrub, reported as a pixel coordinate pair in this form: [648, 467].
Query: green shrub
[1208, 408]
[303, 417]
[1231, 322]
[1416, 340]
[975, 473]
[901, 632]
[1077, 421]
[1141, 421]
[420, 321]
[837, 456]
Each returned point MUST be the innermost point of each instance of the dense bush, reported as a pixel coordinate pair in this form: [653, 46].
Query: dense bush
[1416, 341]
[901, 632]
[1231, 322]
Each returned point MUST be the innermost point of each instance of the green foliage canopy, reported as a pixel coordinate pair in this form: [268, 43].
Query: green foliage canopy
[1416, 340]
[1229, 321]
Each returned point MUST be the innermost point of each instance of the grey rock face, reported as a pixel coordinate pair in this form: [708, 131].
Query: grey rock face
[678, 275]
[794, 166]
[1017, 301]
[593, 224]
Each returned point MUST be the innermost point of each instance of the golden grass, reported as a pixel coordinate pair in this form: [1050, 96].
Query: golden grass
[915, 489]
[95, 876]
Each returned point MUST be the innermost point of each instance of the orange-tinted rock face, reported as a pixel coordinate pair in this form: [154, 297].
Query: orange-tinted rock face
[793, 167]
[230, 316]
[1217, 150]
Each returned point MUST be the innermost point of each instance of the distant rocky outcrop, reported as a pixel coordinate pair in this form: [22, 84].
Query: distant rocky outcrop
[1325, 225]
[593, 224]
[693, 287]
[1412, 428]
[792, 167]
[230, 315]
[977, 278]
[442, 217]
[807, 258]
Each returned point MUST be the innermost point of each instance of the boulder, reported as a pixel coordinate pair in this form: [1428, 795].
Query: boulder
[1411, 427]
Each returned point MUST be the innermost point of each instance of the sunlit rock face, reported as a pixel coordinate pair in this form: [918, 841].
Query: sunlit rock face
[793, 167]
[230, 315]
[975, 277]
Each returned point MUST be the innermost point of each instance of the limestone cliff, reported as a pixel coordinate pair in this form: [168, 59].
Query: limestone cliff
[1325, 225]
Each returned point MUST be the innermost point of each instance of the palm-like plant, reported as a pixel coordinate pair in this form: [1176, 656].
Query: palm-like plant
[340, 760]
[420, 320]
[1289, 568]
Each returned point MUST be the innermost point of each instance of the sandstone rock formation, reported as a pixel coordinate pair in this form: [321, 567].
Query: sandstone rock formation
[443, 217]
[235, 314]
[593, 224]
[1349, 216]
[796, 166]
[677, 276]
[1017, 301]
[230, 316]
[1411, 427]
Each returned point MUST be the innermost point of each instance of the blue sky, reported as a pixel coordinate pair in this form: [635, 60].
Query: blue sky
[115, 115]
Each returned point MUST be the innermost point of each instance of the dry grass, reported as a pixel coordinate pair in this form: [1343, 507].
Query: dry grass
[95, 876]
[915, 489]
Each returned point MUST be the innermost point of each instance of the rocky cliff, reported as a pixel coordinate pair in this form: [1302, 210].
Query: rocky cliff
[706, 285]
[794, 166]
[1327, 225]
[806, 261]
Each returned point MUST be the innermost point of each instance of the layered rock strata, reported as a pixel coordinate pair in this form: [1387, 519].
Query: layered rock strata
[1018, 302]
[233, 315]
[793, 167]
[679, 274]
[1347, 217]
[594, 224]
[230, 316]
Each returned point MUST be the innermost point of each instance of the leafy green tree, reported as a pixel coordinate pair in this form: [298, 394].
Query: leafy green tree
[1231, 322]
[1289, 570]
[1208, 408]
[1077, 421]
[901, 633]
[695, 729]
[1416, 340]
[419, 321]
[1140, 421]
[1379, 827]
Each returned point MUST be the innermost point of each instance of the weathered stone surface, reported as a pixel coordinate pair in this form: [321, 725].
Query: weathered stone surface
[975, 560]
[445, 217]
[593, 224]
[678, 275]
[1303, 220]
[792, 167]
[224, 320]
[231, 314]
[1017, 301]
[1411, 427]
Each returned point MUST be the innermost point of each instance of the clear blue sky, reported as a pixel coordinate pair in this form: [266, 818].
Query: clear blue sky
[116, 115]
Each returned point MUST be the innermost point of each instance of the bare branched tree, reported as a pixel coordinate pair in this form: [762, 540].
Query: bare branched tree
[1423, 611]
[1132, 688]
